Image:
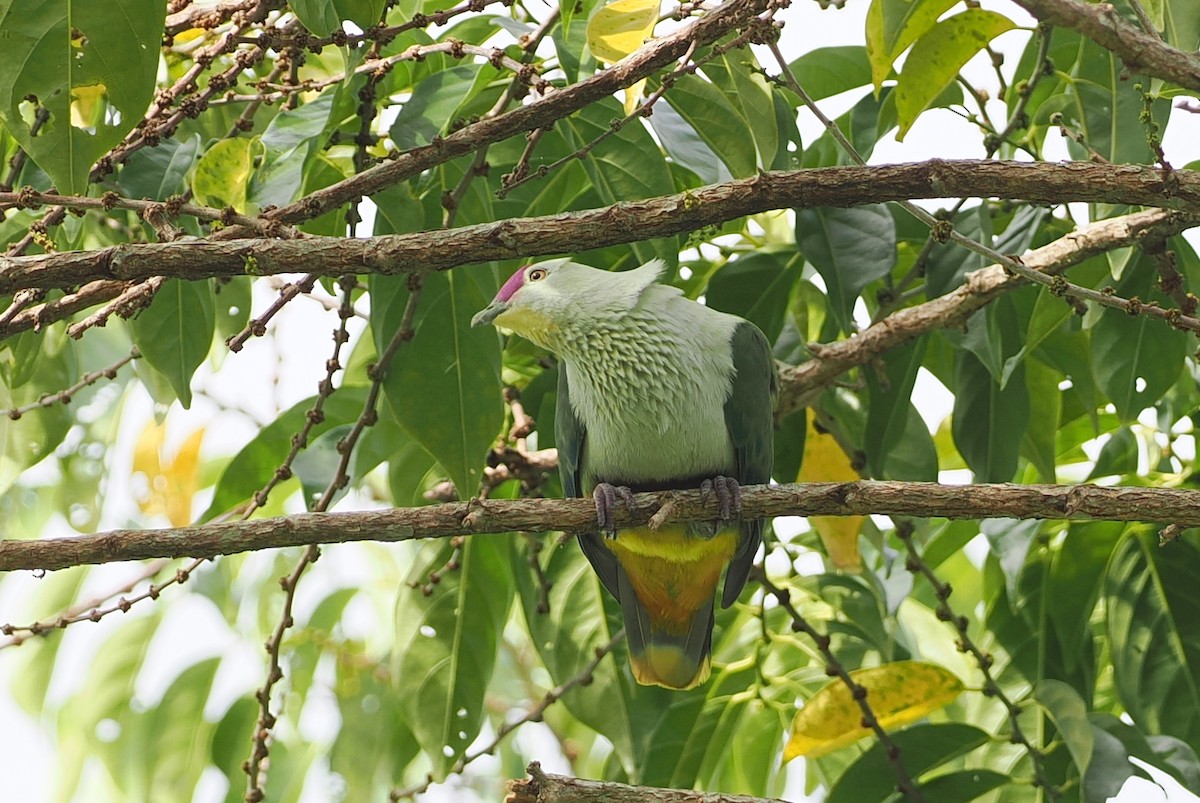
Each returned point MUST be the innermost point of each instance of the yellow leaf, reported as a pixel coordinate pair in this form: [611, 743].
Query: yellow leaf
[183, 479]
[632, 93]
[621, 27]
[87, 105]
[170, 485]
[824, 461]
[146, 462]
[898, 694]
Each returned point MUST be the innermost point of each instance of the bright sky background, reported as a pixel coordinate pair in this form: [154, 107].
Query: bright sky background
[267, 380]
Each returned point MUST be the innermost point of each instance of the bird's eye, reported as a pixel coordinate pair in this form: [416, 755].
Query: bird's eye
[536, 275]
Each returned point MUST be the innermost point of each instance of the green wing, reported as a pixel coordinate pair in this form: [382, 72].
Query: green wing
[749, 417]
[570, 438]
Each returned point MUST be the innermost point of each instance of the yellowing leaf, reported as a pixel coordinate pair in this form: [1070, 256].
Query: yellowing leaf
[632, 93]
[620, 28]
[824, 461]
[898, 694]
[87, 105]
[170, 485]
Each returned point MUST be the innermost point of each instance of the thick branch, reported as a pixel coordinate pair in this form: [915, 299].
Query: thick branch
[542, 787]
[799, 384]
[544, 112]
[620, 223]
[1141, 51]
[919, 499]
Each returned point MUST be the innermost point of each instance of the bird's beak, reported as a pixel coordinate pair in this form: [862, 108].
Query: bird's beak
[489, 313]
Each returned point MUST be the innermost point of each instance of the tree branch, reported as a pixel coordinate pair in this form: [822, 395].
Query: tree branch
[1141, 51]
[542, 787]
[920, 499]
[620, 223]
[800, 384]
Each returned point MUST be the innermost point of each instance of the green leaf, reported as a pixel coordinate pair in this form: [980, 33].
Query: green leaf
[1153, 625]
[988, 422]
[1009, 540]
[222, 176]
[160, 172]
[1069, 713]
[27, 440]
[827, 71]
[317, 466]
[937, 57]
[1118, 455]
[1038, 445]
[740, 78]
[717, 122]
[962, 786]
[626, 166]
[893, 25]
[850, 248]
[322, 17]
[92, 68]
[448, 361]
[567, 635]
[1077, 575]
[437, 101]
[1136, 358]
[757, 287]
[445, 646]
[889, 388]
[924, 747]
[176, 735]
[254, 465]
[1049, 313]
[176, 331]
[290, 137]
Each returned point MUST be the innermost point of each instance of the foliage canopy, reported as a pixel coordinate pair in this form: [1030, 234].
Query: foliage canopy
[170, 180]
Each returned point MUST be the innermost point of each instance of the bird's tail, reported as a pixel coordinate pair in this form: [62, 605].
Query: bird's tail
[666, 582]
[661, 653]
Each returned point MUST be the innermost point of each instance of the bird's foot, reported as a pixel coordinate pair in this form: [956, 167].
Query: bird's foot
[729, 495]
[605, 496]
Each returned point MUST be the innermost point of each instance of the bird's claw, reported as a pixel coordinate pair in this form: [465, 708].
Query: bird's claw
[729, 495]
[605, 496]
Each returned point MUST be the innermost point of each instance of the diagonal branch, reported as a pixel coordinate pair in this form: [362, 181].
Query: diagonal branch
[799, 384]
[554, 106]
[919, 499]
[1141, 51]
[612, 225]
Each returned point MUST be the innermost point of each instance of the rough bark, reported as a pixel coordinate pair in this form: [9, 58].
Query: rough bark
[916, 499]
[620, 223]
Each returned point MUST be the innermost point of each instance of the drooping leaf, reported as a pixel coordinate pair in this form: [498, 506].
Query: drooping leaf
[1154, 630]
[826, 461]
[90, 68]
[175, 332]
[938, 56]
[446, 360]
[850, 248]
[756, 287]
[445, 646]
[870, 779]
[898, 693]
[717, 123]
[988, 422]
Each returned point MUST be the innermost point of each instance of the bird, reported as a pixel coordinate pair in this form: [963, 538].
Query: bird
[655, 392]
